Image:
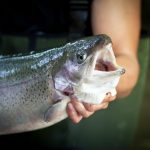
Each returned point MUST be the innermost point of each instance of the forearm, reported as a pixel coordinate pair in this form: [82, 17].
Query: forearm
[129, 79]
[120, 19]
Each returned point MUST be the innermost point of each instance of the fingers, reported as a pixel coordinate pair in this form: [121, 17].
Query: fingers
[80, 108]
[77, 110]
[72, 114]
[93, 108]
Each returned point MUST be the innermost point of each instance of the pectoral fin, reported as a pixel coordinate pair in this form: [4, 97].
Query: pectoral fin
[56, 112]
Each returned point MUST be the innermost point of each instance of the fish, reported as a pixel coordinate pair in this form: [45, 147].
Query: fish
[36, 88]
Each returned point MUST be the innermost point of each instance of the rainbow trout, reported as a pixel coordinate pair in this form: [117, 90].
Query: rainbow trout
[35, 89]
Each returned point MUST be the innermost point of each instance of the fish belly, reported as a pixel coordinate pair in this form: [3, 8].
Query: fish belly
[23, 106]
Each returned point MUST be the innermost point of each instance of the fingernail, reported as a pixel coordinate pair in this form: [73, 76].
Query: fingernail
[71, 110]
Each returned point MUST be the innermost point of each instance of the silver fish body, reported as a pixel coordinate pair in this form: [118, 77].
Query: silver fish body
[35, 89]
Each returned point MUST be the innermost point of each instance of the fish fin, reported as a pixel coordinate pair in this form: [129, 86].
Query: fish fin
[56, 112]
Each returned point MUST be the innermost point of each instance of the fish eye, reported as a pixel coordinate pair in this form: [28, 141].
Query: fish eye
[81, 57]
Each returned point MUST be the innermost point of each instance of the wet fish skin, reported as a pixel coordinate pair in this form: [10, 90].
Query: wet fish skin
[29, 96]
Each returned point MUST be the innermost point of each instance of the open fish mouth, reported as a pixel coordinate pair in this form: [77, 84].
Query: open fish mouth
[107, 67]
[104, 76]
[99, 73]
[102, 65]
[105, 61]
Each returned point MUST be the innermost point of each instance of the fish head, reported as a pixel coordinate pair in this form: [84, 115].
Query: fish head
[90, 70]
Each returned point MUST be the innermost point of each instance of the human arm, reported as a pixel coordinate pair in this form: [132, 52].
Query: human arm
[120, 19]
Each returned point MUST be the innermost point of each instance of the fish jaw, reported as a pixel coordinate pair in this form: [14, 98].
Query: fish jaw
[91, 80]
[102, 77]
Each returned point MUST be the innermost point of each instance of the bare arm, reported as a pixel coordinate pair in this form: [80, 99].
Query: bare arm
[120, 19]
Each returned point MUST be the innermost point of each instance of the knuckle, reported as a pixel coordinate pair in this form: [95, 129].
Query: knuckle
[105, 106]
[90, 108]
[86, 115]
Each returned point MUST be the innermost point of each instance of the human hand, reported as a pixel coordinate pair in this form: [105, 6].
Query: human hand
[77, 110]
